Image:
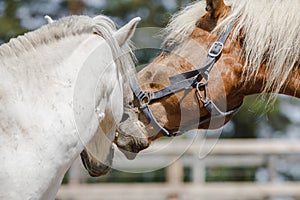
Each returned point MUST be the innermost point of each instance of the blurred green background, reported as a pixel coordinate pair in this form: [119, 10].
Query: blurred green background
[255, 119]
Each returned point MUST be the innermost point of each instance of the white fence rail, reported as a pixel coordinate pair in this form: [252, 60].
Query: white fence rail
[226, 153]
[211, 191]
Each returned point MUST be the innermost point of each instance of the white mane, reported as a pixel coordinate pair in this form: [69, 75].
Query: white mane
[271, 29]
[69, 27]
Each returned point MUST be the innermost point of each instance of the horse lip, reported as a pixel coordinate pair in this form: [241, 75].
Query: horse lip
[129, 144]
[99, 171]
[93, 166]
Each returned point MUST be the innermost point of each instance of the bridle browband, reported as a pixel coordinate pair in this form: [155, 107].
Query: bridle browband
[197, 78]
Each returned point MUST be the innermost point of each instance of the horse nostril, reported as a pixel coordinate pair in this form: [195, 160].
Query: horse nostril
[148, 75]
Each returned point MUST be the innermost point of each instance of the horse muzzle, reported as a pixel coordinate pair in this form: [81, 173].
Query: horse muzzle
[131, 137]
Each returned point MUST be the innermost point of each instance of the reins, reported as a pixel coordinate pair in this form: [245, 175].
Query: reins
[197, 79]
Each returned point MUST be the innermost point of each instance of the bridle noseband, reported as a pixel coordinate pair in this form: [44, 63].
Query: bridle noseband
[197, 79]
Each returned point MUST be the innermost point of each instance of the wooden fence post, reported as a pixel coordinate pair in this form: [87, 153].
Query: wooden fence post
[175, 173]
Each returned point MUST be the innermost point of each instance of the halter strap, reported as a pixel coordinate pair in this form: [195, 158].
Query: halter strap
[213, 55]
[184, 81]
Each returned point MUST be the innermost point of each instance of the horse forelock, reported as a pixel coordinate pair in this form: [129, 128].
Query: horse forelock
[182, 24]
[123, 56]
[270, 31]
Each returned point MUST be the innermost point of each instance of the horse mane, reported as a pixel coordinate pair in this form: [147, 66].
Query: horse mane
[60, 29]
[67, 27]
[269, 28]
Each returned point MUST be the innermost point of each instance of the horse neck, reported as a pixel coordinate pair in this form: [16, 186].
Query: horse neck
[42, 64]
[47, 80]
[290, 86]
[237, 85]
[271, 53]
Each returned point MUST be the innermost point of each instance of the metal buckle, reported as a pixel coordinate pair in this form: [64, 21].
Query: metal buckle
[216, 49]
[203, 98]
[145, 99]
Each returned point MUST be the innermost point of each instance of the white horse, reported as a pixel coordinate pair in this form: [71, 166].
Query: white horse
[61, 92]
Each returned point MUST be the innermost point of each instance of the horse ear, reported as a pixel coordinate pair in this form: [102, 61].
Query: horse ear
[127, 31]
[49, 19]
[215, 7]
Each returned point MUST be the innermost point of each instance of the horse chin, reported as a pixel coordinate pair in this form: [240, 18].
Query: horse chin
[94, 167]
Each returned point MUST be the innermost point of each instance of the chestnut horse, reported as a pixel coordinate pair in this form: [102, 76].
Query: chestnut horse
[260, 55]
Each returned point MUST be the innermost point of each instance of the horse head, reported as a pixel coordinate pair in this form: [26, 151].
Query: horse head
[98, 153]
[213, 56]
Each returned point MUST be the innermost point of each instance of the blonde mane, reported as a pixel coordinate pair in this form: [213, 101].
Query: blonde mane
[67, 27]
[270, 29]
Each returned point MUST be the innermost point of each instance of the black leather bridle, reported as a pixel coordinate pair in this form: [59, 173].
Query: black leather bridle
[197, 78]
